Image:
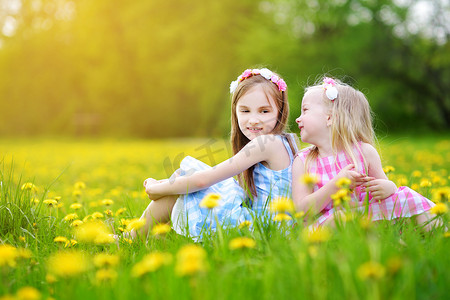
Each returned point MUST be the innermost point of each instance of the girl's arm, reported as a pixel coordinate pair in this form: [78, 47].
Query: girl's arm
[380, 187]
[313, 202]
[262, 148]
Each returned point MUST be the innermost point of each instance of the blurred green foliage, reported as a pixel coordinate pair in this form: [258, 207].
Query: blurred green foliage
[162, 68]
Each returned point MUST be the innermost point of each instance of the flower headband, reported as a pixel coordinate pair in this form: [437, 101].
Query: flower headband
[329, 86]
[266, 73]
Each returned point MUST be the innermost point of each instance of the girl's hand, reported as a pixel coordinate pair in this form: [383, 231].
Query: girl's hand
[149, 181]
[356, 178]
[149, 185]
[380, 188]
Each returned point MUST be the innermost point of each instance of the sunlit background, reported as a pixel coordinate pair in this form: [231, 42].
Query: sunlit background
[148, 68]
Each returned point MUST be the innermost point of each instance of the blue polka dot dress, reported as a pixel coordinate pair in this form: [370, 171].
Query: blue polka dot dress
[190, 219]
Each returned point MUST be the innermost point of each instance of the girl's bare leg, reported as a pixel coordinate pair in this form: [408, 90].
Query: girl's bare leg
[425, 218]
[158, 211]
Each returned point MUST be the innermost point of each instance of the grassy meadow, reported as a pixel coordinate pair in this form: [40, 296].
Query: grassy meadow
[60, 198]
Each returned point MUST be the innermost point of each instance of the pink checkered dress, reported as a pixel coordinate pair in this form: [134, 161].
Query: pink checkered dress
[403, 203]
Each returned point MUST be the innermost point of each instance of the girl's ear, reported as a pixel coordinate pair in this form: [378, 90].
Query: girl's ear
[329, 120]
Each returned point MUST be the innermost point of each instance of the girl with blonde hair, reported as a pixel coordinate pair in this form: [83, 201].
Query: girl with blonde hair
[336, 120]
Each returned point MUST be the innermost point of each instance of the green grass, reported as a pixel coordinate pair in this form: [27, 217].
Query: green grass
[406, 262]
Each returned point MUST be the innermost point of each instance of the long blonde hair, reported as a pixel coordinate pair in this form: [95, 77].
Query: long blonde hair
[239, 140]
[351, 121]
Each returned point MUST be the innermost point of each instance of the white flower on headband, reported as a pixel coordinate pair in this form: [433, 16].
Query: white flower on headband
[330, 88]
[233, 86]
[266, 73]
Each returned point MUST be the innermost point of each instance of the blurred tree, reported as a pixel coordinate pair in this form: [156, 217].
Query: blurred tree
[146, 68]
[379, 43]
[159, 69]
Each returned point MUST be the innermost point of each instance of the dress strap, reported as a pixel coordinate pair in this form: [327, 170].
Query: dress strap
[289, 137]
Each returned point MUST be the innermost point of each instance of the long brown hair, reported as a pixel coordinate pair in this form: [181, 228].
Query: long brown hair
[238, 139]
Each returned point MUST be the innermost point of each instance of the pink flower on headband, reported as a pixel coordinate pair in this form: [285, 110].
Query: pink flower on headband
[247, 73]
[274, 78]
[281, 85]
[328, 80]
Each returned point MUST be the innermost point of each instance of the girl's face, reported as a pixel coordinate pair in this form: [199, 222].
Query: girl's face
[314, 121]
[256, 113]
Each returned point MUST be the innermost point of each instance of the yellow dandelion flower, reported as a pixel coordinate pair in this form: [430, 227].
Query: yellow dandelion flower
[71, 217]
[401, 180]
[424, 182]
[282, 205]
[191, 259]
[245, 224]
[299, 214]
[135, 224]
[317, 235]
[125, 222]
[22, 239]
[70, 243]
[50, 202]
[371, 271]
[210, 201]
[342, 195]
[34, 200]
[120, 211]
[439, 209]
[417, 174]
[8, 255]
[76, 223]
[151, 263]
[107, 202]
[309, 179]
[106, 260]
[161, 229]
[57, 198]
[97, 215]
[108, 212]
[76, 206]
[50, 278]
[86, 218]
[79, 185]
[129, 241]
[67, 264]
[28, 293]
[106, 275]
[388, 169]
[60, 239]
[242, 243]
[104, 239]
[343, 182]
[93, 232]
[28, 186]
[441, 194]
[282, 217]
